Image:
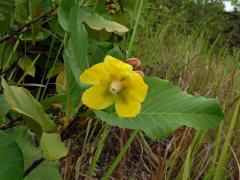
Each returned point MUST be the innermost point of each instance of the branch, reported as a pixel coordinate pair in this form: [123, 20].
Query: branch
[33, 166]
[25, 27]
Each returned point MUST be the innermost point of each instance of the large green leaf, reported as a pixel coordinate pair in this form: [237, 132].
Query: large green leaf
[20, 100]
[75, 49]
[11, 158]
[52, 146]
[166, 108]
[47, 170]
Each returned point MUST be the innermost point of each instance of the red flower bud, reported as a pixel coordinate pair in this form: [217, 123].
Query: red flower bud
[135, 62]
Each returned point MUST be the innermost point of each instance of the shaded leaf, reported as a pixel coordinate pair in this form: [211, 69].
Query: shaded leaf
[59, 67]
[20, 13]
[11, 158]
[64, 10]
[6, 9]
[39, 35]
[3, 107]
[7, 55]
[167, 108]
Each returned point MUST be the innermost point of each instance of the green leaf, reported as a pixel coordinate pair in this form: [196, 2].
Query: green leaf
[76, 53]
[20, 13]
[39, 35]
[26, 64]
[22, 137]
[167, 108]
[11, 158]
[3, 107]
[35, 11]
[6, 9]
[56, 28]
[7, 56]
[116, 52]
[20, 100]
[48, 170]
[52, 146]
[64, 10]
[97, 22]
[45, 5]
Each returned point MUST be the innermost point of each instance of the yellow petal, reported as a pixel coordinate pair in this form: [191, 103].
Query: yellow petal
[95, 74]
[97, 97]
[116, 68]
[134, 87]
[127, 107]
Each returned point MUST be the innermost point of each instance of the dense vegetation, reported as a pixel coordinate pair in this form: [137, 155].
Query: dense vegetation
[48, 133]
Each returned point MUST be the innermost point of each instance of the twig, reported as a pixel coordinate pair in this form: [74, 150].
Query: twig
[11, 124]
[33, 166]
[25, 27]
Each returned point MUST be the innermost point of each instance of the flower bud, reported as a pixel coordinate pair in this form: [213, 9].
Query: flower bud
[57, 106]
[113, 6]
[112, 12]
[107, 1]
[108, 7]
[141, 73]
[135, 62]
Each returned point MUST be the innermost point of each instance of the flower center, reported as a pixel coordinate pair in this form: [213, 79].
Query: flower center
[115, 87]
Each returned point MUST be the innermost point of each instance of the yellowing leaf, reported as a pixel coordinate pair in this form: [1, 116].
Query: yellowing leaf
[60, 82]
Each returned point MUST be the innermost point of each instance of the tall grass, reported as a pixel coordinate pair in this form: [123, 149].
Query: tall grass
[199, 67]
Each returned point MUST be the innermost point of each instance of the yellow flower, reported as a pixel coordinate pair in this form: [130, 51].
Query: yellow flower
[114, 81]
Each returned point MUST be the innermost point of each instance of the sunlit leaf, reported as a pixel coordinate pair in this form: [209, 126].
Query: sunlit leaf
[97, 22]
[27, 65]
[20, 100]
[52, 146]
[48, 170]
[167, 108]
